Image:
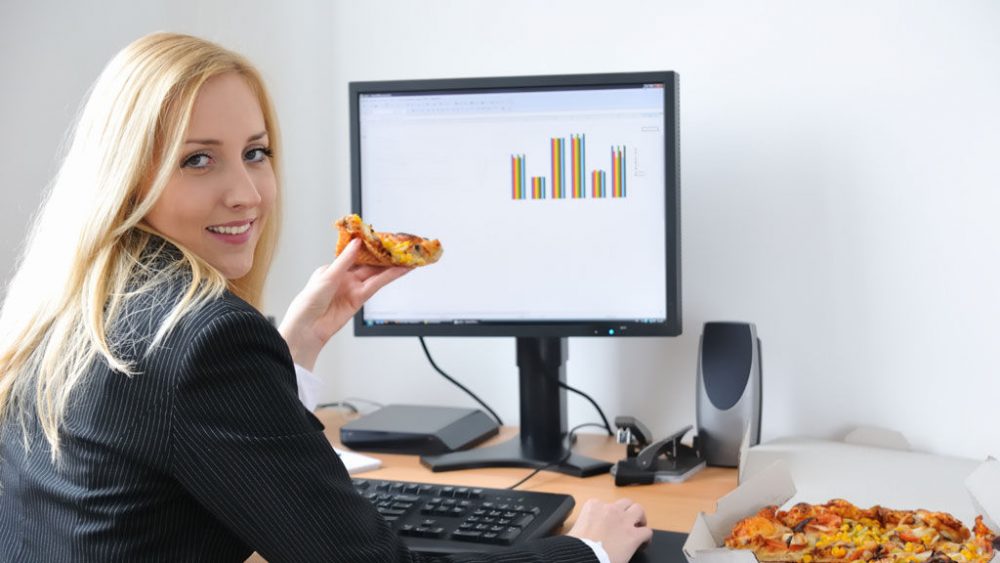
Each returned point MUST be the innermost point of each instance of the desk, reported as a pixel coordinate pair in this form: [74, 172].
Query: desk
[669, 506]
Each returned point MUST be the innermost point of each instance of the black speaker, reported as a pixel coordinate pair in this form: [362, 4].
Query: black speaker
[729, 391]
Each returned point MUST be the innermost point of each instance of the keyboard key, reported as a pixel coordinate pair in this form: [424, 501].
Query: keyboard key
[509, 536]
[523, 520]
[456, 519]
[466, 535]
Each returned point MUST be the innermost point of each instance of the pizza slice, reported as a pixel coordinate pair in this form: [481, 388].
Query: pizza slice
[386, 249]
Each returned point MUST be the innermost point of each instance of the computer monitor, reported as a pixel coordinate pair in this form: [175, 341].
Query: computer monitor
[556, 199]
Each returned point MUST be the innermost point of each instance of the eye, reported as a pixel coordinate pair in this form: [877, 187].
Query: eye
[199, 160]
[258, 154]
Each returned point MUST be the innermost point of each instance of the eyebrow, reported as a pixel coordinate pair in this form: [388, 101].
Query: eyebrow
[251, 139]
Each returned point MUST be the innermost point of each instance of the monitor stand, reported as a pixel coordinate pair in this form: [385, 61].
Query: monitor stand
[541, 362]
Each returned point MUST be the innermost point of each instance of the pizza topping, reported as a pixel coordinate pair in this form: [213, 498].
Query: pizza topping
[798, 527]
[840, 532]
[939, 557]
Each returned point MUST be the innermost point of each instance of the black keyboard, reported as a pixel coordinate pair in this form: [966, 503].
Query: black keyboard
[441, 519]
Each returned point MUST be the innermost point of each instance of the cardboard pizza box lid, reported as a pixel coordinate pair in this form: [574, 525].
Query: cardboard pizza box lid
[984, 487]
[774, 484]
[878, 437]
[867, 475]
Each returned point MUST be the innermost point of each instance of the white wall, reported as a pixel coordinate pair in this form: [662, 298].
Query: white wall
[839, 184]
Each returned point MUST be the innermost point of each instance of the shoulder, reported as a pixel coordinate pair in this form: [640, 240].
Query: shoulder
[226, 309]
[226, 323]
[161, 302]
[144, 325]
[230, 369]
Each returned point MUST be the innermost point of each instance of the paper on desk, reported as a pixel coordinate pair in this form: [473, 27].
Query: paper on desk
[357, 463]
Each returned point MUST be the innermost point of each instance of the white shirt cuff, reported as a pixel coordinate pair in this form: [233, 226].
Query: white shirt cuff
[308, 387]
[602, 555]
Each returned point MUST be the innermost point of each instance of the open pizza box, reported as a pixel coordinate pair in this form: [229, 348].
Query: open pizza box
[827, 469]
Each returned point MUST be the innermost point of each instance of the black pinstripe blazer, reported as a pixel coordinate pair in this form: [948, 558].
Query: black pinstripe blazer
[204, 455]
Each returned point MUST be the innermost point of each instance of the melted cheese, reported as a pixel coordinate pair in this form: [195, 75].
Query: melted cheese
[402, 252]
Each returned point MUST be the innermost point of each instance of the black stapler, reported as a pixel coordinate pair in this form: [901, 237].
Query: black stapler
[667, 460]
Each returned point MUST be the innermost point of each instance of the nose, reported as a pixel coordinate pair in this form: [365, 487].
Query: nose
[242, 192]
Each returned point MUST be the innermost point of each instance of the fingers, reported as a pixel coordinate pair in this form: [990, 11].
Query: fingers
[645, 535]
[637, 513]
[365, 271]
[620, 526]
[345, 260]
[633, 510]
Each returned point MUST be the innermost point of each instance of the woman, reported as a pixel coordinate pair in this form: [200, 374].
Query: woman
[147, 410]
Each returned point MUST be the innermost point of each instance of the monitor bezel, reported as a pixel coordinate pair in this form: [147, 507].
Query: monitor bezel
[672, 326]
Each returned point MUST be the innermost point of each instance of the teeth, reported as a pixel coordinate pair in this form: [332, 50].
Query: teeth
[231, 230]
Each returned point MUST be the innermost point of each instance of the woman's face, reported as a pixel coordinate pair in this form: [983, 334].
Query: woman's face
[223, 188]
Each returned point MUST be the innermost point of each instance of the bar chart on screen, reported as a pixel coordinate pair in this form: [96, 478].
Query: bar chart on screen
[567, 178]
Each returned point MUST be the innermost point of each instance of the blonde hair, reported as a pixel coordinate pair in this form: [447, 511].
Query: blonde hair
[89, 245]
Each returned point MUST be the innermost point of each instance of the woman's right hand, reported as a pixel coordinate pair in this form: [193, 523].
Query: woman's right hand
[330, 298]
[619, 526]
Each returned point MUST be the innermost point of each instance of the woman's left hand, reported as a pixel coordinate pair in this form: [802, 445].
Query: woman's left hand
[333, 294]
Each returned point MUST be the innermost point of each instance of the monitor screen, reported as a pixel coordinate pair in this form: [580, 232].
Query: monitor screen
[555, 199]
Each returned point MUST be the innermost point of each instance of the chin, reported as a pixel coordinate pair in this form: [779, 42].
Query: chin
[235, 271]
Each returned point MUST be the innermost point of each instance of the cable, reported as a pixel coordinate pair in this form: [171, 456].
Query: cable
[570, 440]
[348, 404]
[337, 404]
[375, 404]
[459, 385]
[593, 402]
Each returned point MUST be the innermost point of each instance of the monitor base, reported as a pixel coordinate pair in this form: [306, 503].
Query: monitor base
[512, 454]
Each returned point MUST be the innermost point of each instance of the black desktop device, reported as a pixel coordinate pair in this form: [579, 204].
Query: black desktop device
[416, 429]
[556, 199]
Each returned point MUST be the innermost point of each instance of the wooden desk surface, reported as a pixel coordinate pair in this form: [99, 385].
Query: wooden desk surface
[669, 506]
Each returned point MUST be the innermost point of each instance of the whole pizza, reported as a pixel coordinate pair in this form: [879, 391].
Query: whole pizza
[839, 531]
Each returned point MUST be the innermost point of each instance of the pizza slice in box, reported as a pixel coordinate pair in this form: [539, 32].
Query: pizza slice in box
[386, 249]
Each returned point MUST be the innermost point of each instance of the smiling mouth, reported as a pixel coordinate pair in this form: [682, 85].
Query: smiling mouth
[231, 230]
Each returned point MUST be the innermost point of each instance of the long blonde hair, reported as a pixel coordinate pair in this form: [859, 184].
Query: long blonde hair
[89, 243]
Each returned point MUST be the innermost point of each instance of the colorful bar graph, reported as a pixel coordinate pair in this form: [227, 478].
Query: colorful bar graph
[617, 171]
[577, 178]
[558, 167]
[577, 148]
[538, 187]
[517, 177]
[598, 184]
